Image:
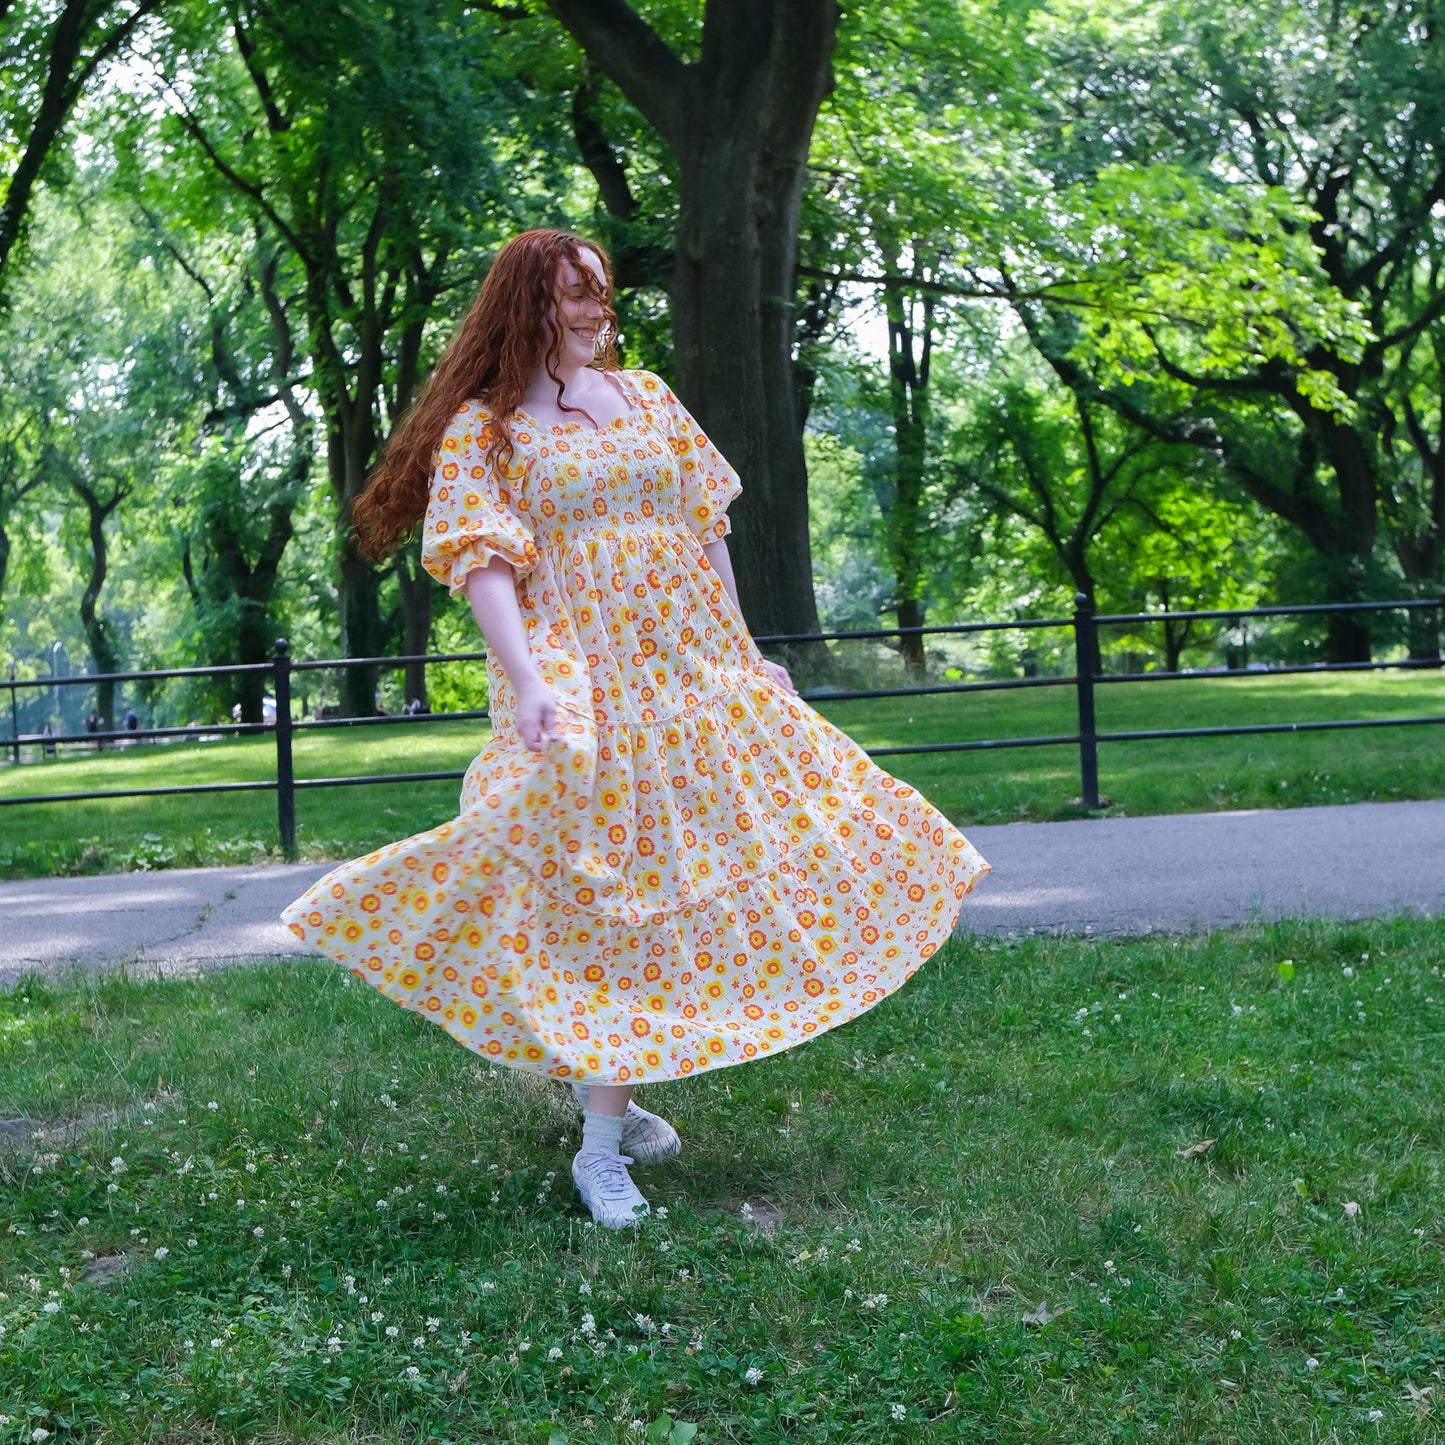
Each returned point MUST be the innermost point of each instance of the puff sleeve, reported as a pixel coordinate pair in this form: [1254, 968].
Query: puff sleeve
[472, 513]
[709, 485]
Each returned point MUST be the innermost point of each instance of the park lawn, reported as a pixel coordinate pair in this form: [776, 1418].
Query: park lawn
[316, 1218]
[1003, 785]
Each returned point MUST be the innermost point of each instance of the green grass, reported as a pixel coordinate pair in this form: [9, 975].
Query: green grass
[1004, 1131]
[1177, 775]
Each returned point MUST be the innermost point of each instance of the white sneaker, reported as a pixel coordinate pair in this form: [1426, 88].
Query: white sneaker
[648, 1138]
[607, 1188]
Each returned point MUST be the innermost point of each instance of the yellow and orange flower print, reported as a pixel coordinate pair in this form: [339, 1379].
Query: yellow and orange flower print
[699, 869]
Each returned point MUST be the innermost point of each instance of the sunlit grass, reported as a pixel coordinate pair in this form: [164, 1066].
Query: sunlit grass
[1175, 775]
[264, 1161]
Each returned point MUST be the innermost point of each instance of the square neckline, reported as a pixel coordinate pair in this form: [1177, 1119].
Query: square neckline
[634, 408]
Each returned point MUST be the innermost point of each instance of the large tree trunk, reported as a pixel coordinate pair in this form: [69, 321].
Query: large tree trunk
[732, 342]
[738, 120]
[416, 614]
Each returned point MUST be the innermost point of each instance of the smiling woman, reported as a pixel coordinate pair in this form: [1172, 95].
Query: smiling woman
[664, 863]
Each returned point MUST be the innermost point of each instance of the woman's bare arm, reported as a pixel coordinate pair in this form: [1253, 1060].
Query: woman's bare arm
[721, 562]
[492, 591]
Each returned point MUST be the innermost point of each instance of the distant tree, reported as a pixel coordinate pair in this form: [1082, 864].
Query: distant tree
[1338, 114]
[362, 140]
[49, 55]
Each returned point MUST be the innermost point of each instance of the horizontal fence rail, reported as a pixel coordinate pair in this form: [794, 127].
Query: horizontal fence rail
[1084, 626]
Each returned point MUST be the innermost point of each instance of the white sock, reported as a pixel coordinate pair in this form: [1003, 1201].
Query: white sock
[601, 1132]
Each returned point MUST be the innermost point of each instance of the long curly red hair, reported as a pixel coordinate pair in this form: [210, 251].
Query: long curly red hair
[492, 358]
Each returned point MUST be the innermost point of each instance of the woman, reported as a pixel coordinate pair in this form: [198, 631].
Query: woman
[664, 862]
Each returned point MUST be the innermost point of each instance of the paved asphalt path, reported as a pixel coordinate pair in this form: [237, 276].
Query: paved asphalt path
[1105, 876]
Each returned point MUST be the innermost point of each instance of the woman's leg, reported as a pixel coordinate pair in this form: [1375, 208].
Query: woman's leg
[646, 1138]
[610, 1099]
[600, 1168]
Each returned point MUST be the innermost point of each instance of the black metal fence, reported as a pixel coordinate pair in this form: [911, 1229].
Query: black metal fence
[1086, 678]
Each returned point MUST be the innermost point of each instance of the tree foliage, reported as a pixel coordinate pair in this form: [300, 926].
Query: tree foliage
[990, 303]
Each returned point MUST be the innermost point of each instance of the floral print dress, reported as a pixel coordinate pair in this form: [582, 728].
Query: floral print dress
[698, 869]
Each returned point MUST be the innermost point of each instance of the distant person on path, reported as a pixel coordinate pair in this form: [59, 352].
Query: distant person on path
[665, 862]
[130, 721]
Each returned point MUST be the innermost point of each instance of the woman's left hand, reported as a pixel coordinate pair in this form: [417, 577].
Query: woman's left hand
[779, 675]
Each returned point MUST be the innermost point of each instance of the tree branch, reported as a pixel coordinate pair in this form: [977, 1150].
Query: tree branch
[643, 66]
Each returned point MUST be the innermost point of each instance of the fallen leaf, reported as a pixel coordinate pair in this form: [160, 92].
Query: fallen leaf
[1037, 1319]
[1195, 1150]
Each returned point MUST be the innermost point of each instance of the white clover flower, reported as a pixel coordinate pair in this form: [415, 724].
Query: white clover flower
[377, 1316]
[285, 1271]
[1375, 1415]
[588, 1326]
[555, 1353]
[1352, 1209]
[382, 1204]
[39, 1433]
[584, 1288]
[433, 1323]
[117, 1165]
[51, 1307]
[899, 1412]
[162, 1252]
[213, 1105]
[192, 1242]
[418, 1342]
[258, 1232]
[660, 1212]
[1312, 1363]
[644, 1323]
[753, 1375]
[486, 1286]
[216, 1344]
[412, 1373]
[82, 1221]
[333, 1346]
[393, 1330]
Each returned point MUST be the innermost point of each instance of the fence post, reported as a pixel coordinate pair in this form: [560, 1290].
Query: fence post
[1086, 649]
[14, 715]
[285, 775]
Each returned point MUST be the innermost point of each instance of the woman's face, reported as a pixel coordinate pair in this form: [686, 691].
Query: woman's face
[579, 316]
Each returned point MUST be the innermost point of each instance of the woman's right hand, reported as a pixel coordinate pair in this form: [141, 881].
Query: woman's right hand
[536, 713]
